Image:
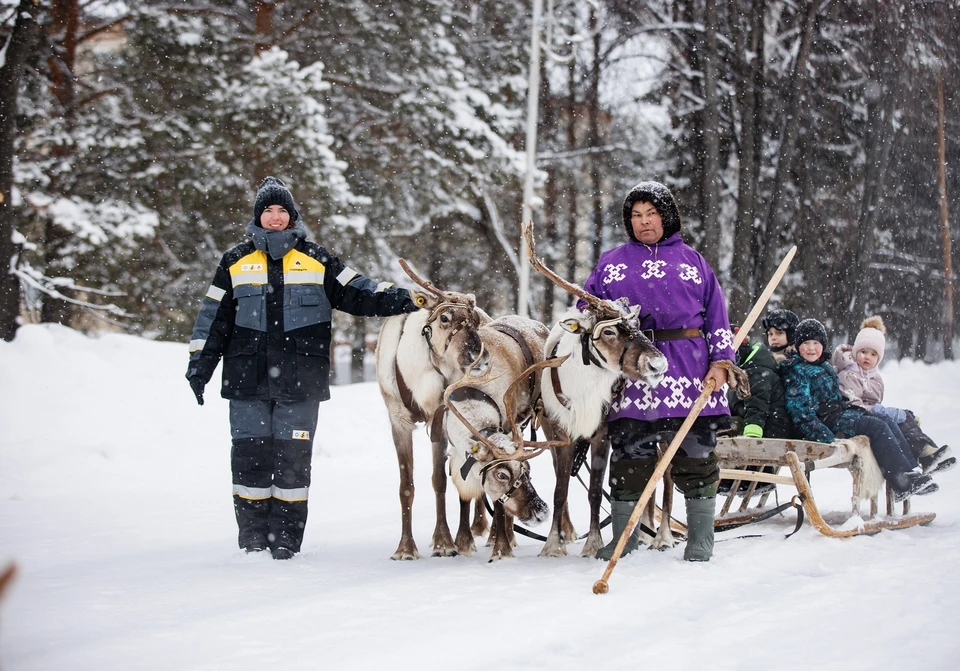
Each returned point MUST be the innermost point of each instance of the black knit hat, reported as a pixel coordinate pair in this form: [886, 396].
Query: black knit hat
[810, 329]
[660, 197]
[784, 320]
[274, 192]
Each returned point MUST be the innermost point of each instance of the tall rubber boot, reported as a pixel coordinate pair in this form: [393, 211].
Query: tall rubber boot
[620, 511]
[700, 512]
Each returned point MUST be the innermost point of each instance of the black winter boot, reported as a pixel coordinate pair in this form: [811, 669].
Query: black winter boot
[700, 512]
[936, 460]
[905, 485]
[620, 511]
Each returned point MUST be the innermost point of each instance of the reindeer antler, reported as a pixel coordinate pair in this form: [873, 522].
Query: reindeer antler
[599, 305]
[527, 450]
[510, 403]
[426, 284]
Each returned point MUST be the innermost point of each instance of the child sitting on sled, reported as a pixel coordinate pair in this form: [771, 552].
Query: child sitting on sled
[778, 326]
[858, 370]
[763, 414]
[821, 413]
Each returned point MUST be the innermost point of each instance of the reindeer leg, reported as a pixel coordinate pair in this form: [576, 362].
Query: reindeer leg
[403, 441]
[664, 540]
[494, 523]
[442, 540]
[556, 543]
[464, 542]
[599, 453]
[501, 543]
[479, 526]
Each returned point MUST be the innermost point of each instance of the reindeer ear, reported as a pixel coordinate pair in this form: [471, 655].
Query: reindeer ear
[571, 325]
[422, 299]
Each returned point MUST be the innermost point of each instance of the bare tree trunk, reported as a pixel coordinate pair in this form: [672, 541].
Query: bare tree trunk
[944, 224]
[880, 134]
[263, 24]
[62, 31]
[710, 125]
[750, 98]
[594, 142]
[771, 235]
[19, 45]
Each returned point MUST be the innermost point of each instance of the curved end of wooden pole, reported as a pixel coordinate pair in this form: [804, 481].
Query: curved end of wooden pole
[601, 587]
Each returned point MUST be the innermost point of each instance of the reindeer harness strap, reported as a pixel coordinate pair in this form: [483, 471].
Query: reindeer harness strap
[555, 380]
[521, 479]
[524, 347]
[406, 396]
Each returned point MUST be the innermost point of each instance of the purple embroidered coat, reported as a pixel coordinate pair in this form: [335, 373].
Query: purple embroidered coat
[675, 288]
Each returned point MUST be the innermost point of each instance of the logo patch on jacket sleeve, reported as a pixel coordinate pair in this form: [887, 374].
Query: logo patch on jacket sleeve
[301, 435]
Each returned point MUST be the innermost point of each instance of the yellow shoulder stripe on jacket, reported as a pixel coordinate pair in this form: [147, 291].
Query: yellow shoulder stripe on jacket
[250, 269]
[300, 268]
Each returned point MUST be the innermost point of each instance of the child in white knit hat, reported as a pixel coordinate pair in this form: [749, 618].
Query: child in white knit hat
[860, 381]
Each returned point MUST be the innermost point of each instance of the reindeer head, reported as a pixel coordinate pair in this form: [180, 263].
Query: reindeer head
[451, 326]
[476, 470]
[487, 452]
[609, 331]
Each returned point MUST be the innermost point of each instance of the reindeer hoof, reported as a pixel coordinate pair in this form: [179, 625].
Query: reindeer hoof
[403, 554]
[445, 553]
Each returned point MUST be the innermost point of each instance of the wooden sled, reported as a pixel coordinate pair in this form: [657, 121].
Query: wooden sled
[802, 457]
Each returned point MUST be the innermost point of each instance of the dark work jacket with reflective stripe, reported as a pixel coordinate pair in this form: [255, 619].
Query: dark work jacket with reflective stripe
[270, 320]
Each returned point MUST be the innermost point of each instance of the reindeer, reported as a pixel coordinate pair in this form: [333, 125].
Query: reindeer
[418, 355]
[593, 348]
[487, 406]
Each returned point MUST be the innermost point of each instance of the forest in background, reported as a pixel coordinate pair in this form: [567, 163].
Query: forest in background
[133, 135]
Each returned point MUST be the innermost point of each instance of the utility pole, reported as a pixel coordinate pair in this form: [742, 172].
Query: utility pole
[533, 102]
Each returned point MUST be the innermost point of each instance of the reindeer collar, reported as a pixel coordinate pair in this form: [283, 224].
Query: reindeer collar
[467, 466]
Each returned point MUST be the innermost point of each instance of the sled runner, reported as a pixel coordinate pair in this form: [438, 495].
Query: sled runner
[802, 457]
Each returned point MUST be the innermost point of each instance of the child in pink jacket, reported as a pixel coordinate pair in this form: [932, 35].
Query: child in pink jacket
[860, 381]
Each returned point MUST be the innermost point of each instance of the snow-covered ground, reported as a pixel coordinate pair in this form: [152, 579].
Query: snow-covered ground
[115, 503]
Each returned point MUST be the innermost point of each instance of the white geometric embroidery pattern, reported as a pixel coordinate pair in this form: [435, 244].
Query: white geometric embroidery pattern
[678, 396]
[677, 387]
[722, 339]
[613, 273]
[690, 273]
[653, 269]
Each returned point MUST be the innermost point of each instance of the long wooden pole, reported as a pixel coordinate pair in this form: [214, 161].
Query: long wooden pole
[602, 586]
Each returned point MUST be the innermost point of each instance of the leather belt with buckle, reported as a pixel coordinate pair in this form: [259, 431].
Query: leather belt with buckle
[672, 334]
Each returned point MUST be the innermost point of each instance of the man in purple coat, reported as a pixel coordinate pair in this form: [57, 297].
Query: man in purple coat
[682, 308]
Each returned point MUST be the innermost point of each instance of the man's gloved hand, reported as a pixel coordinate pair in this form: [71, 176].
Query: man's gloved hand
[197, 387]
[753, 431]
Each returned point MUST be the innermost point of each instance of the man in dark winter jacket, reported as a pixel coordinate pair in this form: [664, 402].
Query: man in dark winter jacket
[268, 314]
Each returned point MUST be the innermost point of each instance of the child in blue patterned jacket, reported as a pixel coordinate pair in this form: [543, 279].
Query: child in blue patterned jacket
[821, 413]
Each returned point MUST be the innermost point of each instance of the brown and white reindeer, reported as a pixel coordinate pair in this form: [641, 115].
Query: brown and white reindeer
[486, 408]
[418, 355]
[593, 348]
